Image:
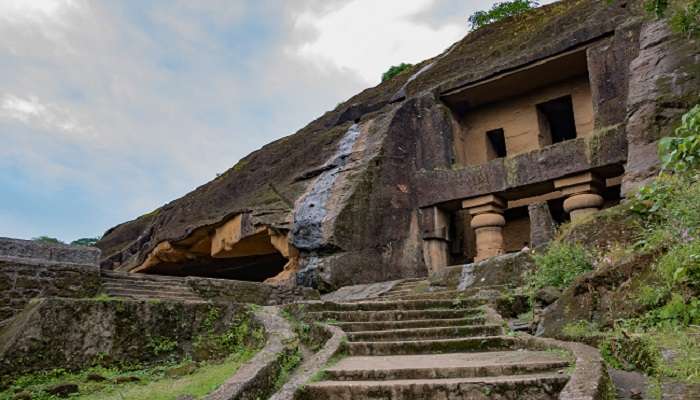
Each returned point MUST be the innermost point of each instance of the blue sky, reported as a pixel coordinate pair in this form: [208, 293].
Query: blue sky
[109, 109]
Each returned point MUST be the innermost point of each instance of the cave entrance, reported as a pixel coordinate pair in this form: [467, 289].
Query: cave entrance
[237, 250]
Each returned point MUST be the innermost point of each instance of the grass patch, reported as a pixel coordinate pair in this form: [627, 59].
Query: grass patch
[581, 330]
[203, 381]
[154, 383]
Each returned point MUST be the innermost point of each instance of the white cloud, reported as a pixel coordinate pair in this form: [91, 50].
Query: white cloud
[368, 36]
[35, 114]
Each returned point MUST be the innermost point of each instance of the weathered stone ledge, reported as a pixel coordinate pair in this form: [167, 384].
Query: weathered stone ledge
[256, 379]
[589, 379]
[47, 253]
[332, 347]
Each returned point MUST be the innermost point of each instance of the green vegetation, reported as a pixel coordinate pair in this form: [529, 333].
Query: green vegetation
[581, 330]
[163, 382]
[663, 339]
[240, 165]
[161, 345]
[684, 14]
[237, 338]
[47, 239]
[559, 265]
[85, 241]
[681, 152]
[78, 242]
[395, 70]
[289, 361]
[500, 11]
[668, 212]
[216, 357]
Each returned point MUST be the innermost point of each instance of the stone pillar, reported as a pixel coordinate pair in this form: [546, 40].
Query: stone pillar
[542, 226]
[487, 222]
[582, 194]
[435, 224]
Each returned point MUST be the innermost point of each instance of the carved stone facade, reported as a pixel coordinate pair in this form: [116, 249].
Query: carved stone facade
[562, 106]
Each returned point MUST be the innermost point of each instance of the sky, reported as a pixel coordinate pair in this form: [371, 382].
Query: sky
[111, 108]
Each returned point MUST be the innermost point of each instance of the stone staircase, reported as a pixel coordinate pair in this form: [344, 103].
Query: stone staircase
[147, 287]
[408, 345]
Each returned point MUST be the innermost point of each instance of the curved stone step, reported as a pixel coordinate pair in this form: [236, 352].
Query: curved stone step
[393, 315]
[523, 387]
[445, 366]
[433, 346]
[394, 305]
[426, 333]
[418, 323]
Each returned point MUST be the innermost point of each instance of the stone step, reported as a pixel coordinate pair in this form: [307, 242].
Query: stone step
[441, 294]
[420, 296]
[140, 277]
[524, 387]
[393, 305]
[148, 289]
[397, 292]
[419, 323]
[145, 286]
[152, 294]
[445, 366]
[426, 333]
[433, 346]
[393, 315]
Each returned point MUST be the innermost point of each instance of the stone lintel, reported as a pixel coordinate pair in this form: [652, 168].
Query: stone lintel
[481, 201]
[582, 188]
[580, 179]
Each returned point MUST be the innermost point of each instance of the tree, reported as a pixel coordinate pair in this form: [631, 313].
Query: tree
[47, 239]
[500, 11]
[395, 70]
[85, 242]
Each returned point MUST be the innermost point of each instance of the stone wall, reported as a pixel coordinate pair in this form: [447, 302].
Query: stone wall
[29, 269]
[664, 81]
[248, 292]
[77, 333]
[518, 117]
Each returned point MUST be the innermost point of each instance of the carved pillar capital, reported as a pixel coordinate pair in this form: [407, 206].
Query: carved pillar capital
[582, 194]
[488, 222]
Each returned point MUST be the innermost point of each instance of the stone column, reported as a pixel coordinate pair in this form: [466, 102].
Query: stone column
[487, 222]
[436, 238]
[542, 226]
[582, 194]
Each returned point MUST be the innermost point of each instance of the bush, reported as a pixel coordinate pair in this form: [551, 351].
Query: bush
[395, 70]
[500, 11]
[685, 14]
[681, 153]
[85, 242]
[560, 265]
[47, 239]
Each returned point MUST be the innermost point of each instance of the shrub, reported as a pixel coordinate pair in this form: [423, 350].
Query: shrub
[395, 70]
[500, 11]
[685, 14]
[47, 239]
[85, 242]
[681, 153]
[560, 265]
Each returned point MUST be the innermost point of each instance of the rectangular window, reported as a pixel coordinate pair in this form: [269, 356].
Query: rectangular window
[496, 142]
[556, 119]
